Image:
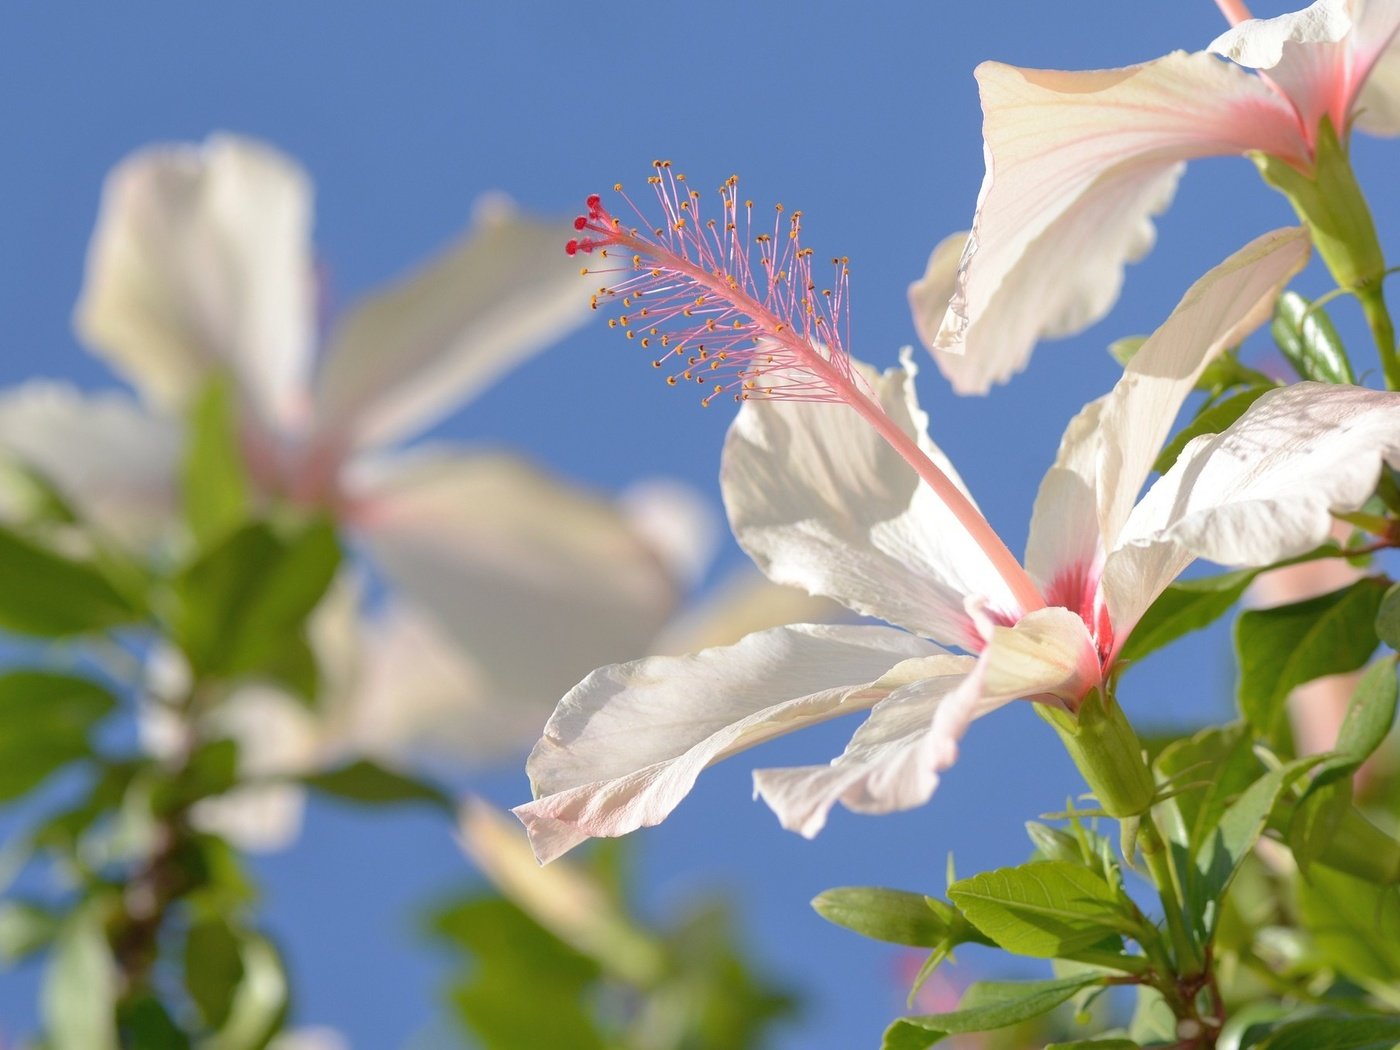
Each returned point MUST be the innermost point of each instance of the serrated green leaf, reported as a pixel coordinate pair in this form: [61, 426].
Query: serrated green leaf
[1231, 840]
[893, 916]
[370, 784]
[78, 999]
[987, 1005]
[1281, 648]
[1336, 1033]
[1048, 909]
[49, 595]
[214, 478]
[1307, 338]
[1212, 420]
[1388, 617]
[45, 722]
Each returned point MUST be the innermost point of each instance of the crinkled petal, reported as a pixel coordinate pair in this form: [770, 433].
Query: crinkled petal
[1077, 164]
[1064, 535]
[893, 761]
[408, 356]
[1306, 53]
[627, 743]
[112, 461]
[535, 580]
[1261, 491]
[930, 294]
[201, 261]
[820, 501]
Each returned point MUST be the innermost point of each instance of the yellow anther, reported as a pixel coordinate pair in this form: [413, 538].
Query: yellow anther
[617, 187]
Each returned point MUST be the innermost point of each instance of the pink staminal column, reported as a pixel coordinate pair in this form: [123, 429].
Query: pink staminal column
[760, 329]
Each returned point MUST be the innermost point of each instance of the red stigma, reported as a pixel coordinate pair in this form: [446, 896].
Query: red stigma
[571, 247]
[580, 222]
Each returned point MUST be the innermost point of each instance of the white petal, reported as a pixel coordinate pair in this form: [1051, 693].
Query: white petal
[116, 464]
[1377, 47]
[1265, 488]
[535, 581]
[741, 604]
[1064, 536]
[1077, 164]
[422, 696]
[893, 761]
[930, 294]
[820, 501]
[259, 818]
[201, 261]
[677, 522]
[1321, 57]
[409, 355]
[626, 744]
[1218, 311]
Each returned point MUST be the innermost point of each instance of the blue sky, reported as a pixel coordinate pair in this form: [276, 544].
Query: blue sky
[865, 116]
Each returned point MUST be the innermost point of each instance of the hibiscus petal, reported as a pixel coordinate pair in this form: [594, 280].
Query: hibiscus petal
[893, 761]
[1077, 164]
[113, 462]
[535, 580]
[1262, 490]
[820, 501]
[627, 743]
[1306, 53]
[742, 603]
[1218, 311]
[405, 357]
[1377, 46]
[201, 261]
[930, 294]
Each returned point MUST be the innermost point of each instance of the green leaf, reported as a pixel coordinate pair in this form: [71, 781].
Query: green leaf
[1307, 338]
[1230, 841]
[216, 484]
[45, 720]
[1336, 1033]
[1185, 606]
[1315, 821]
[259, 1003]
[78, 998]
[245, 601]
[895, 916]
[369, 784]
[519, 966]
[1283, 647]
[1217, 764]
[1355, 924]
[25, 928]
[1388, 617]
[1054, 844]
[1210, 421]
[1049, 909]
[1125, 349]
[1096, 1044]
[145, 1024]
[213, 968]
[53, 596]
[986, 1005]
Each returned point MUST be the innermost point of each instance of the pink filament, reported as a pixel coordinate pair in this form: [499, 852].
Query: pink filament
[1235, 11]
[766, 333]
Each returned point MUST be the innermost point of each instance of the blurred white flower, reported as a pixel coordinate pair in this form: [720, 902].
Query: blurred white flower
[201, 266]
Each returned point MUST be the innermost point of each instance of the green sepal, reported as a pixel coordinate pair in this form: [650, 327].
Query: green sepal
[1107, 752]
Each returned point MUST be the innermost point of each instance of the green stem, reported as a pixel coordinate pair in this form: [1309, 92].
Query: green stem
[1372, 299]
[1164, 877]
